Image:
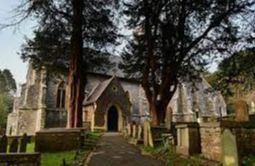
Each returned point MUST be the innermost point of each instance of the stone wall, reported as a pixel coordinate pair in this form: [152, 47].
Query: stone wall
[27, 122]
[55, 118]
[184, 117]
[188, 139]
[33, 93]
[88, 117]
[210, 134]
[189, 99]
[211, 138]
[53, 83]
[24, 121]
[12, 124]
[57, 140]
[245, 141]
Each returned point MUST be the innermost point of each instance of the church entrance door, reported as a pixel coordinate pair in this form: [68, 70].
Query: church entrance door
[112, 119]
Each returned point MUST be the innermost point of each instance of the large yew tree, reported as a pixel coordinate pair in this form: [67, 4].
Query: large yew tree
[7, 89]
[174, 39]
[235, 76]
[71, 34]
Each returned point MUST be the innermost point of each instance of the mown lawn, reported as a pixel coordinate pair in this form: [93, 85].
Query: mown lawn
[50, 159]
[168, 155]
[248, 161]
[56, 158]
[30, 147]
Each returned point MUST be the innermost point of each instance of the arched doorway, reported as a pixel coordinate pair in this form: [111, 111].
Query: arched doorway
[112, 119]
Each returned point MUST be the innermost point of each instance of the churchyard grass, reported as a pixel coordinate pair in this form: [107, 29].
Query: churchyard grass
[168, 155]
[248, 161]
[71, 157]
[30, 147]
[49, 159]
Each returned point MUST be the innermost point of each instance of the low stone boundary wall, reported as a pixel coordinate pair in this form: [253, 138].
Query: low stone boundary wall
[21, 159]
[13, 151]
[212, 135]
[58, 139]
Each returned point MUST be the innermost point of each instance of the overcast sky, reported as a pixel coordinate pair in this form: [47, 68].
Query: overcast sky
[11, 40]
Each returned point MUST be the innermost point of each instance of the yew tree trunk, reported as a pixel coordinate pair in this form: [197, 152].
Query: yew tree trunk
[153, 112]
[76, 80]
[158, 112]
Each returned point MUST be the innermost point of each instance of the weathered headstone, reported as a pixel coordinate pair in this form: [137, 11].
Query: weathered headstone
[242, 111]
[252, 107]
[23, 143]
[150, 136]
[3, 144]
[134, 131]
[145, 133]
[139, 133]
[147, 137]
[129, 129]
[14, 146]
[229, 149]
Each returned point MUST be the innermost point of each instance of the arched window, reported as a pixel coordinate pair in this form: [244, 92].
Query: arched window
[61, 95]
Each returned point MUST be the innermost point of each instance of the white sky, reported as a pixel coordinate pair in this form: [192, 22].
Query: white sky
[11, 40]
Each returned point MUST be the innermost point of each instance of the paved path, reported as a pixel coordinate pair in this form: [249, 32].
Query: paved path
[113, 150]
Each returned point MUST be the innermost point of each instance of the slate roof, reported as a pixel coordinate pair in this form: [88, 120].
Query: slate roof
[97, 92]
[113, 70]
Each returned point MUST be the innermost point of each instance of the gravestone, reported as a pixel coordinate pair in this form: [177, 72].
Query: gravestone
[139, 133]
[23, 143]
[129, 129]
[3, 144]
[147, 136]
[229, 149]
[14, 146]
[242, 111]
[134, 131]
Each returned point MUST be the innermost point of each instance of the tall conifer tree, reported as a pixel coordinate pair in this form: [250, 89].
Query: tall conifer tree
[174, 38]
[69, 34]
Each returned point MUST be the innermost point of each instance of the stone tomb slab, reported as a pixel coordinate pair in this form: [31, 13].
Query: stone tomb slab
[59, 139]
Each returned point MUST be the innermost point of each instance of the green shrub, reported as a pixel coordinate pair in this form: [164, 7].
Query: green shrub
[231, 108]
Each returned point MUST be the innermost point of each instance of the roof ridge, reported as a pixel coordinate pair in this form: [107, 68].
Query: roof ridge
[97, 92]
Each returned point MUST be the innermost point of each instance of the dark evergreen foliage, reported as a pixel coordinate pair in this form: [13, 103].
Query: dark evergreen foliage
[175, 39]
[69, 35]
[51, 43]
[10, 81]
[236, 74]
[7, 89]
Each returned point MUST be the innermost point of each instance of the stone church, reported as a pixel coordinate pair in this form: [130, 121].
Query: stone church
[111, 101]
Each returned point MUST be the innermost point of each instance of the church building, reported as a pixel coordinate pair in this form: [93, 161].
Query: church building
[111, 102]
